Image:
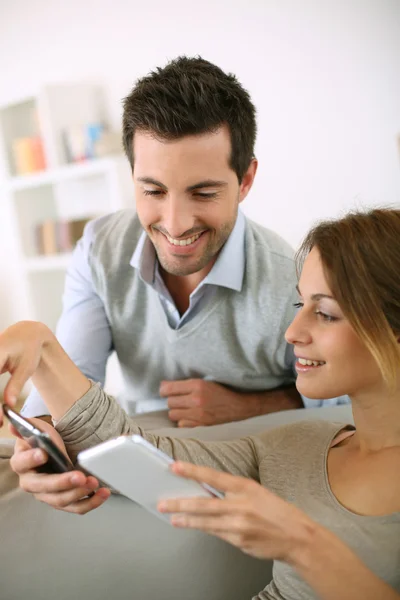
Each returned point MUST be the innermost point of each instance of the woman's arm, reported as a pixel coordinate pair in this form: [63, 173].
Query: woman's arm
[86, 415]
[334, 571]
[97, 417]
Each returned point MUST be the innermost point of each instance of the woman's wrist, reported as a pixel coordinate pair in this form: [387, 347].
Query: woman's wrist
[57, 379]
[303, 535]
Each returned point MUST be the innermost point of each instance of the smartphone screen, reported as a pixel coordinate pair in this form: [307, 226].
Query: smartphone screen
[57, 462]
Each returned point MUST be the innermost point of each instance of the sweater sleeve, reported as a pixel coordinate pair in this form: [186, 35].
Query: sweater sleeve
[97, 417]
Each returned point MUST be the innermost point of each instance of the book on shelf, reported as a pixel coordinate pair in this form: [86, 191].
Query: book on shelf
[55, 237]
[28, 155]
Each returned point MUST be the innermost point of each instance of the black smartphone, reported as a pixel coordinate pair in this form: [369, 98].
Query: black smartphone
[57, 461]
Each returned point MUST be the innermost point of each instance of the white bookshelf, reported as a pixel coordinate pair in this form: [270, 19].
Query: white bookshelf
[63, 191]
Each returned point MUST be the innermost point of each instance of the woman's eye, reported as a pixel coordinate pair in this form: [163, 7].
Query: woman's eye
[325, 317]
[152, 192]
[298, 304]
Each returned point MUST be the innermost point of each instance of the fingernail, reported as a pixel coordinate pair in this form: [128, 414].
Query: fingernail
[162, 506]
[103, 493]
[38, 456]
[75, 479]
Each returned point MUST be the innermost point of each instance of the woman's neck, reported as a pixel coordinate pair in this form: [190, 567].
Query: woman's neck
[377, 421]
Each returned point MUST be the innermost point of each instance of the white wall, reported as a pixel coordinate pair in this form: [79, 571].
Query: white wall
[325, 76]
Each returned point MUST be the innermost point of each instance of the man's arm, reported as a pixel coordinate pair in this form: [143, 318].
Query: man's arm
[194, 402]
[83, 329]
[263, 403]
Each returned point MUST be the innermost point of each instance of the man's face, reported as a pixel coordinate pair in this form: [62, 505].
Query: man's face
[187, 197]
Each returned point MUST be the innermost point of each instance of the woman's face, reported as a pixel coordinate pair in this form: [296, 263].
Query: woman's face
[341, 363]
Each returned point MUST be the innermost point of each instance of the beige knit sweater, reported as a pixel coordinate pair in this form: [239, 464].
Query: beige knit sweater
[290, 461]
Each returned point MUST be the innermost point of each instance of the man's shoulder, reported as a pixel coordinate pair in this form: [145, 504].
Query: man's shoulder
[265, 242]
[269, 261]
[119, 231]
[113, 239]
[113, 225]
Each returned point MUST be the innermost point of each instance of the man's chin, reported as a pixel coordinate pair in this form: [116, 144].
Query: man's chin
[181, 269]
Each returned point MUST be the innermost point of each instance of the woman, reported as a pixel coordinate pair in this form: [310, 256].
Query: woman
[321, 498]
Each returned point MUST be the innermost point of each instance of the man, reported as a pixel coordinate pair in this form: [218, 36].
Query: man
[193, 297]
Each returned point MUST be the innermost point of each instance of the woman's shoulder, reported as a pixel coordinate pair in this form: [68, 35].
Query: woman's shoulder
[305, 435]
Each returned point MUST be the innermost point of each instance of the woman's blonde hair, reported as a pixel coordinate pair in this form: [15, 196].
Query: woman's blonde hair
[360, 254]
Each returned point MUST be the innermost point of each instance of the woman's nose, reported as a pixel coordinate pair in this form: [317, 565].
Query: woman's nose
[298, 331]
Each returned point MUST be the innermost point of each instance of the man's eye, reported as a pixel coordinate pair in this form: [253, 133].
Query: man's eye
[205, 195]
[298, 305]
[152, 192]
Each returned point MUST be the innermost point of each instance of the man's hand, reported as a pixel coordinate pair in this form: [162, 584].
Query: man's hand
[66, 491]
[194, 402]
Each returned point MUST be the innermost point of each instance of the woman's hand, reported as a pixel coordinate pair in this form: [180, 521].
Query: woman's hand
[250, 517]
[20, 353]
[73, 492]
[30, 350]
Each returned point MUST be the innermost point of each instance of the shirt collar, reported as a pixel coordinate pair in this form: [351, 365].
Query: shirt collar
[228, 270]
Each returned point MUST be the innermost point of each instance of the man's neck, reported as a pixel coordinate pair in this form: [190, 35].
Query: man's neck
[181, 286]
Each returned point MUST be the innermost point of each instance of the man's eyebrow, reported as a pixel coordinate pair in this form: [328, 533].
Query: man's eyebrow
[152, 181]
[316, 297]
[207, 183]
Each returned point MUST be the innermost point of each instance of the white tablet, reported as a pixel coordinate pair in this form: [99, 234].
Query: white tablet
[139, 471]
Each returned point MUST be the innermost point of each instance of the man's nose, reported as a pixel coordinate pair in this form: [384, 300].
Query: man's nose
[178, 219]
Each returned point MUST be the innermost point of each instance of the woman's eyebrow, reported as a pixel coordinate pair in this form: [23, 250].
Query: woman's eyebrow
[316, 297]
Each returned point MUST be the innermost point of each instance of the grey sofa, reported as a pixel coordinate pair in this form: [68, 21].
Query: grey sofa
[121, 552]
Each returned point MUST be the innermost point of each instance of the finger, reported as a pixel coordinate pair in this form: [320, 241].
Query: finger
[184, 414]
[16, 383]
[183, 401]
[222, 481]
[81, 507]
[26, 458]
[216, 525]
[184, 423]
[195, 505]
[21, 445]
[176, 388]
[43, 483]
[63, 499]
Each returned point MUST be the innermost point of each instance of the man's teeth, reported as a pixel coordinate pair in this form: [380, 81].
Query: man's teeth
[183, 242]
[310, 363]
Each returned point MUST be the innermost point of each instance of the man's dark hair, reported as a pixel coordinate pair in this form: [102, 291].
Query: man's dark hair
[191, 96]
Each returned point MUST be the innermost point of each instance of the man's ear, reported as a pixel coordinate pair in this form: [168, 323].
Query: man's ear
[248, 179]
